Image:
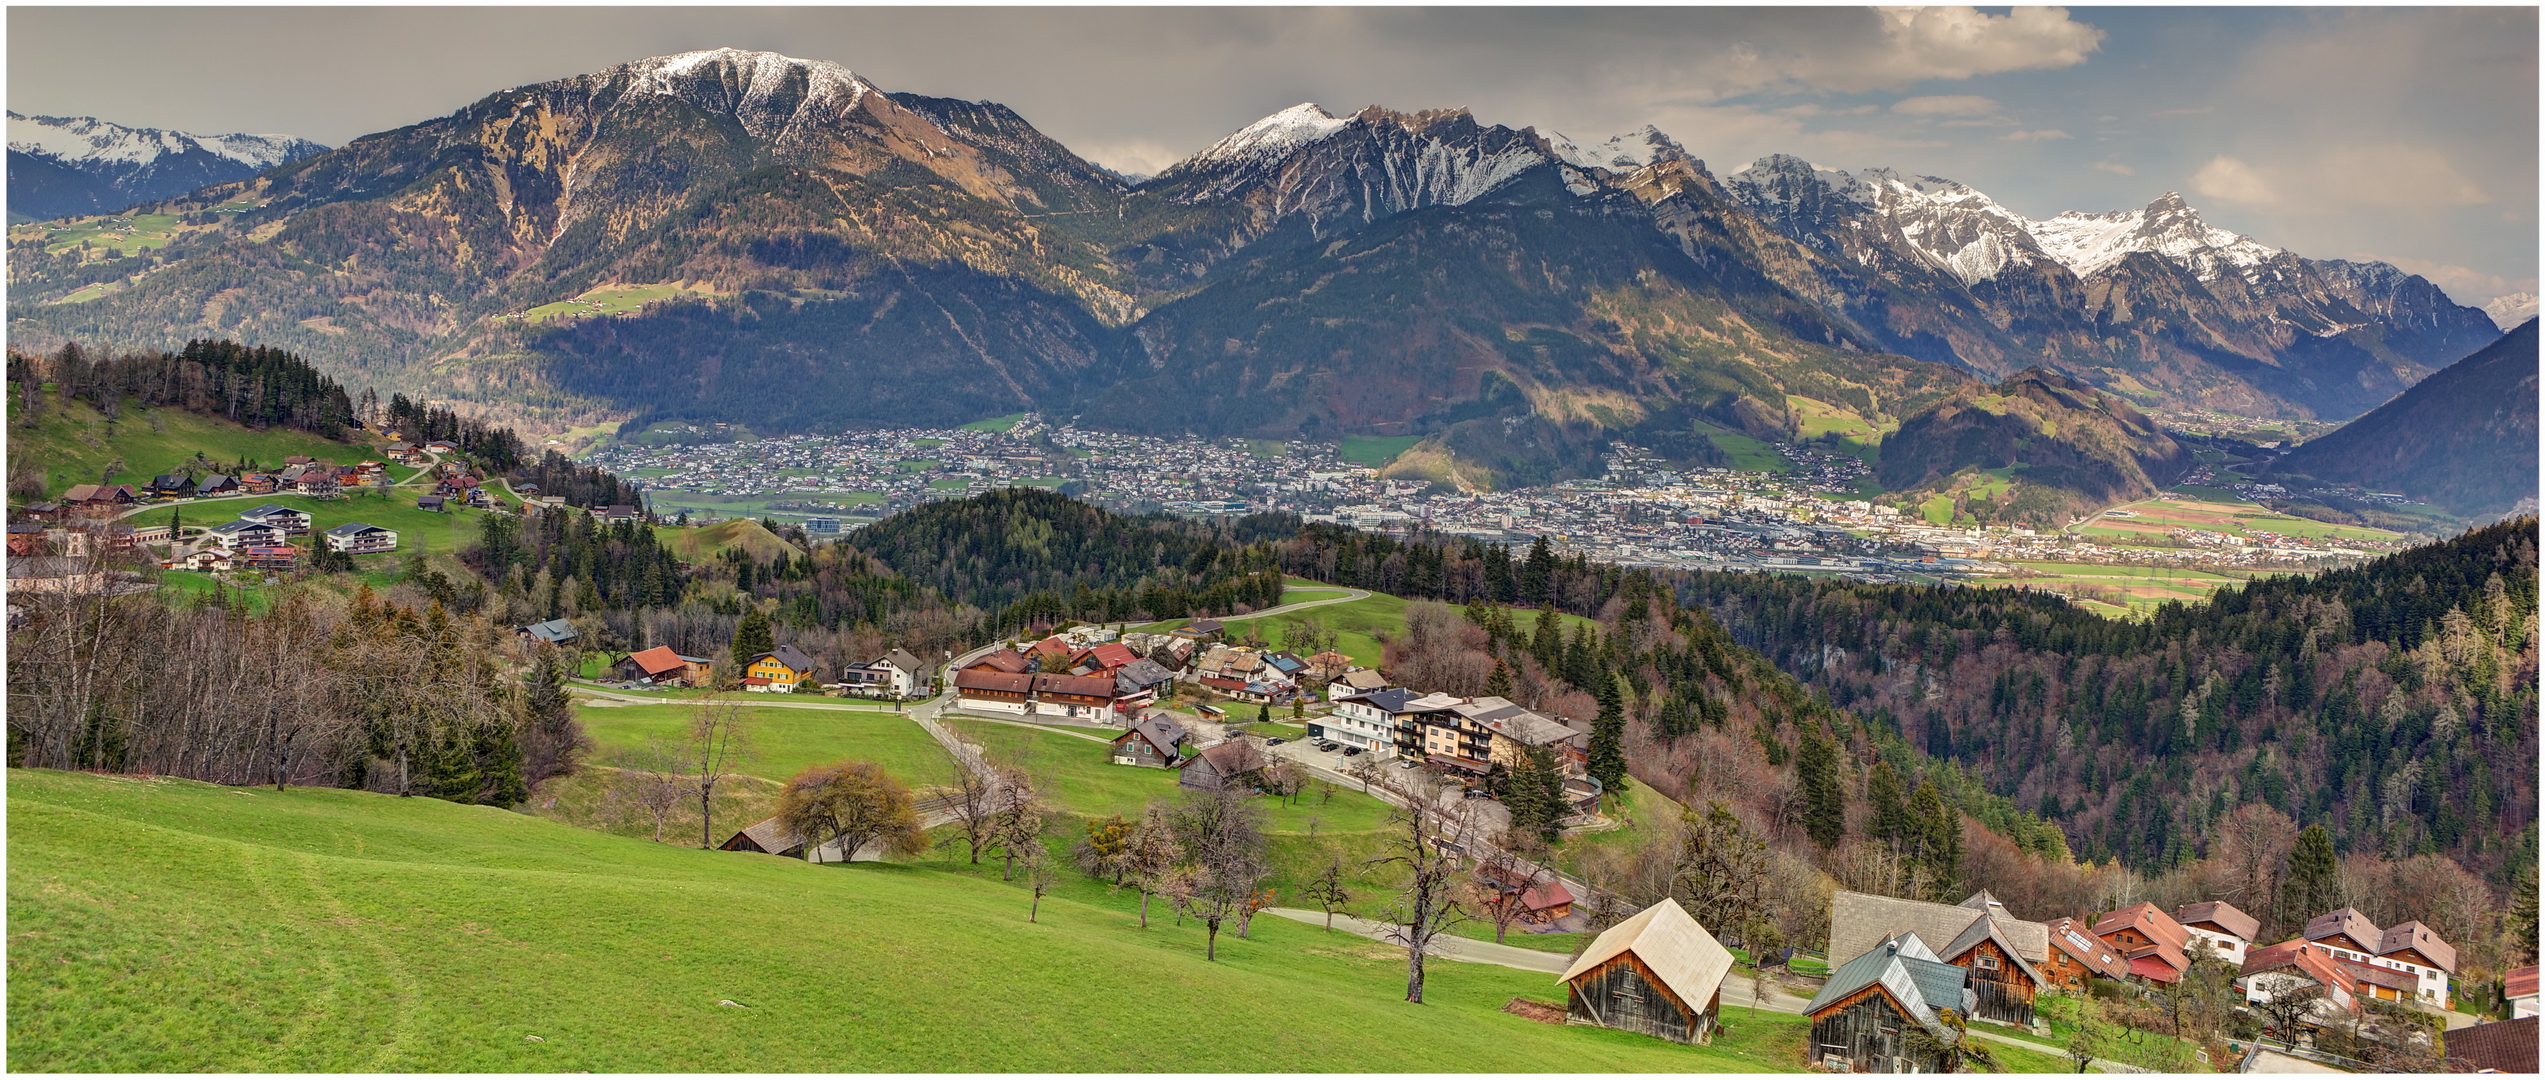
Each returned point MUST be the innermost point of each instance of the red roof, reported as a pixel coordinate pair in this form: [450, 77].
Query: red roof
[1052, 645]
[2307, 958]
[2398, 981]
[1111, 655]
[2520, 982]
[1217, 683]
[1007, 660]
[754, 680]
[2152, 967]
[1082, 685]
[2075, 939]
[1550, 895]
[657, 660]
[2149, 920]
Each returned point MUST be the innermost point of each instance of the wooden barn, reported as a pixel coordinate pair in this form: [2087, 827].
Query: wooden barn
[767, 836]
[1659, 973]
[1863, 1017]
[1978, 933]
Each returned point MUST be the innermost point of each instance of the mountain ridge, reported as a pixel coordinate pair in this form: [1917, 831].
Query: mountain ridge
[2463, 439]
[65, 165]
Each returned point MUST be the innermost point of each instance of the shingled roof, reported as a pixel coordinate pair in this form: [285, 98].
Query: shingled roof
[2508, 1046]
[2220, 915]
[2421, 939]
[1860, 921]
[1671, 943]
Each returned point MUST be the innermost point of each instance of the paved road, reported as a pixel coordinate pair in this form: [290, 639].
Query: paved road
[757, 701]
[2273, 1061]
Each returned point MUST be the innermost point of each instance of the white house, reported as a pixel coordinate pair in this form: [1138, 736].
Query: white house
[894, 674]
[2227, 931]
[356, 538]
[1371, 721]
[293, 522]
[243, 533]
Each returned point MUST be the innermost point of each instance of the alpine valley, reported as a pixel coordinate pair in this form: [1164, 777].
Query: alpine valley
[673, 237]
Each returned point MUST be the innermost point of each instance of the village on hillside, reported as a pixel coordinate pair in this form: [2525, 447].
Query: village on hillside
[1903, 985]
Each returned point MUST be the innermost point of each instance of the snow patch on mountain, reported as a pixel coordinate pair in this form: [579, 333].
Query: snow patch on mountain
[86, 140]
[766, 91]
[2509, 311]
[1272, 137]
[1618, 153]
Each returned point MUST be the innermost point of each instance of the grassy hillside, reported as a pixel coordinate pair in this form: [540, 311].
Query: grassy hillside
[173, 926]
[786, 741]
[700, 543]
[75, 444]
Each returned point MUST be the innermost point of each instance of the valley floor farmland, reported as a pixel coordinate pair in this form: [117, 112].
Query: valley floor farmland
[165, 925]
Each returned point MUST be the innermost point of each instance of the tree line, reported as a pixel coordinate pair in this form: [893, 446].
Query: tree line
[254, 386]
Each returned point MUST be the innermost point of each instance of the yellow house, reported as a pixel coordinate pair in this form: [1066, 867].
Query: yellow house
[777, 672]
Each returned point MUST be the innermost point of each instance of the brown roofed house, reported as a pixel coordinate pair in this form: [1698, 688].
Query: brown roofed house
[2077, 956]
[2345, 928]
[2150, 939]
[1221, 767]
[2508, 1046]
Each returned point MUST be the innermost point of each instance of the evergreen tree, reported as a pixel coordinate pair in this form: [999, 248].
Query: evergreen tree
[1939, 842]
[752, 636]
[1824, 804]
[1890, 805]
[1498, 684]
[1608, 740]
[1546, 642]
[2314, 882]
[1536, 575]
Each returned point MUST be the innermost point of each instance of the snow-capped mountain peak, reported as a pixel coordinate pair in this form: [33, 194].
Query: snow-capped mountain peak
[1618, 153]
[1271, 137]
[86, 139]
[1949, 225]
[2166, 227]
[766, 91]
[2509, 311]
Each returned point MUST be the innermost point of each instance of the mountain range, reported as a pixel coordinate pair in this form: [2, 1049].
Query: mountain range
[63, 166]
[1517, 299]
[2463, 439]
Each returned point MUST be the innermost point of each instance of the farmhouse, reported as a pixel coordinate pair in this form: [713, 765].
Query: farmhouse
[1153, 742]
[993, 691]
[172, 486]
[1136, 683]
[2293, 965]
[2226, 930]
[1861, 1017]
[777, 671]
[433, 503]
[2412, 948]
[1079, 697]
[1008, 661]
[216, 485]
[356, 538]
[1659, 973]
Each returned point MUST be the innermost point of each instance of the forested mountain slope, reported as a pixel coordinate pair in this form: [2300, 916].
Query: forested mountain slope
[2395, 702]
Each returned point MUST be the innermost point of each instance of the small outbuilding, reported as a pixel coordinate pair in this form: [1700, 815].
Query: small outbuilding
[1153, 742]
[1659, 973]
[768, 836]
[1862, 1018]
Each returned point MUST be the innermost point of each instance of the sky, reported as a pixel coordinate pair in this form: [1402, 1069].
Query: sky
[2402, 134]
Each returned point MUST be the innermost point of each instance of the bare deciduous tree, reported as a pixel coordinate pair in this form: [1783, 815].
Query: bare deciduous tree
[719, 741]
[1425, 842]
[1328, 890]
[1222, 837]
[1515, 865]
[652, 778]
[1149, 856]
[973, 798]
[1017, 822]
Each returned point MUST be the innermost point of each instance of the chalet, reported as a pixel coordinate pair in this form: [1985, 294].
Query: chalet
[2149, 939]
[356, 538]
[551, 632]
[216, 485]
[400, 449]
[2344, 932]
[1513, 731]
[662, 666]
[99, 498]
[777, 671]
[1369, 721]
[2508, 1046]
[1153, 742]
[1052, 653]
[2420, 952]
[1659, 973]
[2518, 987]
[172, 486]
[441, 446]
[292, 522]
[1439, 732]
[1220, 767]
[1860, 1016]
[994, 691]
[2294, 964]
[433, 503]
[2003, 951]
[2077, 956]
[241, 533]
[895, 674]
[270, 557]
[619, 512]
[26, 537]
[2220, 925]
[259, 484]
[1007, 661]
[1078, 697]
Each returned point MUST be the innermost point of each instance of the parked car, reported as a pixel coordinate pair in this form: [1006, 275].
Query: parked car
[1329, 747]
[1409, 763]
[1351, 751]
[1478, 793]
[1275, 741]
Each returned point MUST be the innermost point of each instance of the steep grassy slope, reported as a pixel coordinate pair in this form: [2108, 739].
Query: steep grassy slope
[172, 926]
[2464, 439]
[74, 444]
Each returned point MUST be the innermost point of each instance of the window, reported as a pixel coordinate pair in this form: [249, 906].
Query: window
[1987, 963]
